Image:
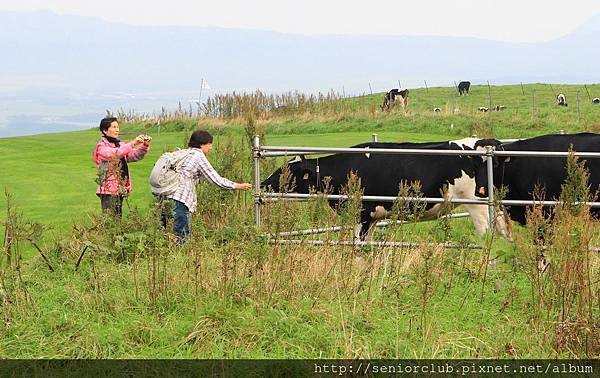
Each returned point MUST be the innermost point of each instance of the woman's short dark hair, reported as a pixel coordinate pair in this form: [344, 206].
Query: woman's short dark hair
[200, 137]
[105, 123]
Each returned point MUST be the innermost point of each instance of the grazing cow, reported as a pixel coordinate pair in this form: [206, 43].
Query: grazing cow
[437, 110]
[393, 97]
[561, 100]
[463, 88]
[499, 108]
[596, 101]
[381, 175]
[520, 174]
[483, 109]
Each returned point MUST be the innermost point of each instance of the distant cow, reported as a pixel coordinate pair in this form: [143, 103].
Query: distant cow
[596, 101]
[499, 108]
[483, 109]
[437, 110]
[561, 100]
[463, 88]
[394, 97]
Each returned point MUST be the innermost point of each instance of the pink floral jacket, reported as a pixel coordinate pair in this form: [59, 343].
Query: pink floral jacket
[109, 183]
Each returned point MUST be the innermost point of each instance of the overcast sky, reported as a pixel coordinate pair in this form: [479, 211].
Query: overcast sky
[506, 20]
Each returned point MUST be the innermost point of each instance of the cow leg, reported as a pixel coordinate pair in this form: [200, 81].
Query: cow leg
[501, 222]
[369, 216]
[480, 216]
[463, 188]
[364, 230]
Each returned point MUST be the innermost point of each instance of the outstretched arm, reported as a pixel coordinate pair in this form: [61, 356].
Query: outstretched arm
[207, 170]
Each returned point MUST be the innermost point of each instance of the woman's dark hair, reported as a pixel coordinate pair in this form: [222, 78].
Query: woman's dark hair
[200, 137]
[105, 123]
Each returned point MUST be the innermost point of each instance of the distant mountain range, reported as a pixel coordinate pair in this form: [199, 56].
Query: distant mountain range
[50, 51]
[60, 72]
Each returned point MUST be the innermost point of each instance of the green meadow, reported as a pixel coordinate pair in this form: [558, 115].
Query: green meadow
[123, 289]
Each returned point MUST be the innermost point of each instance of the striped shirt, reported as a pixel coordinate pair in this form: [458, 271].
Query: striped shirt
[193, 168]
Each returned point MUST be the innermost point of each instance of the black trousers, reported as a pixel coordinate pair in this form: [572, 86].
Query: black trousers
[112, 204]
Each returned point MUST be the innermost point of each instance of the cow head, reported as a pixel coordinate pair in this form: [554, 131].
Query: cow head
[480, 163]
[302, 176]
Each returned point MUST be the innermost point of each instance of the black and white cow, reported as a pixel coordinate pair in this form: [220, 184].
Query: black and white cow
[437, 110]
[561, 100]
[596, 101]
[382, 174]
[393, 97]
[521, 175]
[463, 88]
[483, 109]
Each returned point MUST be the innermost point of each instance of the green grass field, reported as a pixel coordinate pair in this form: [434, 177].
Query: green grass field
[229, 294]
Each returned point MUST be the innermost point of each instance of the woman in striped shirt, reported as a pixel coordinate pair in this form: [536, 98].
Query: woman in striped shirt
[195, 166]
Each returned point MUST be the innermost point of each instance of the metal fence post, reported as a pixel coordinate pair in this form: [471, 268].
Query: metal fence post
[490, 184]
[256, 157]
[374, 136]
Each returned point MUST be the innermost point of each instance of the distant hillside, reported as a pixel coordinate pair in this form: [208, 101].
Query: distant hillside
[47, 50]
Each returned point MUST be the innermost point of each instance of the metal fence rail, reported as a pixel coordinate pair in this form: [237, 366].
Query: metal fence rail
[268, 197]
[376, 244]
[322, 230]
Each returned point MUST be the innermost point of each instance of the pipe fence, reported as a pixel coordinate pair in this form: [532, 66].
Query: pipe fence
[260, 152]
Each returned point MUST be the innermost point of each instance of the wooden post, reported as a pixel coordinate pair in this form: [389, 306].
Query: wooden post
[578, 107]
[522, 90]
[399, 85]
[427, 88]
[490, 111]
[454, 102]
[490, 95]
[533, 94]
[370, 89]
[588, 92]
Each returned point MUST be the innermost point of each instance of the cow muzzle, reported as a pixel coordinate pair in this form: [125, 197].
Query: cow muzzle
[481, 192]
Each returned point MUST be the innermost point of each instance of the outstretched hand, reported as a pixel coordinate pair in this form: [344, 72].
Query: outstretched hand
[243, 186]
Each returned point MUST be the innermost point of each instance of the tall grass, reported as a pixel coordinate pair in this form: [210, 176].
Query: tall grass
[563, 270]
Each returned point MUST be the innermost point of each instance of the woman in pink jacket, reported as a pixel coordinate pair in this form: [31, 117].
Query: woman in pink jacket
[112, 158]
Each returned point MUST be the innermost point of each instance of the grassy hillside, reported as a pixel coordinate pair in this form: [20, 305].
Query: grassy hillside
[230, 294]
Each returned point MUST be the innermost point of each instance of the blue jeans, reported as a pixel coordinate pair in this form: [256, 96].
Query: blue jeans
[181, 224]
[180, 215]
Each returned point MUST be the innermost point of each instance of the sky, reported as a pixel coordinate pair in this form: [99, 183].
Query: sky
[503, 20]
